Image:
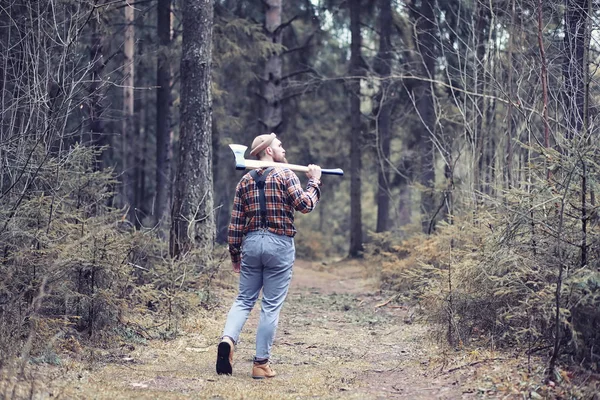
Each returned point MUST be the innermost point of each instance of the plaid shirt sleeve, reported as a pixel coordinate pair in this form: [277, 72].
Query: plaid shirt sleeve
[236, 226]
[303, 200]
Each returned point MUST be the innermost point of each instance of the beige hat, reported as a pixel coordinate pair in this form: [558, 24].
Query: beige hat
[261, 142]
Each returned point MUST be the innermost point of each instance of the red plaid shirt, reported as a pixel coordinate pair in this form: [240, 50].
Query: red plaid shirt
[284, 195]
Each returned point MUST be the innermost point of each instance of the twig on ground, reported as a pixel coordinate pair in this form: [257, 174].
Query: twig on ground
[474, 363]
[394, 297]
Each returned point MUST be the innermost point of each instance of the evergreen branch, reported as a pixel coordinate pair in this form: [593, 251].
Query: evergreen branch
[27, 186]
[29, 157]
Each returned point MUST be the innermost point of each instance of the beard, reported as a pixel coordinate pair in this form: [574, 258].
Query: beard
[281, 159]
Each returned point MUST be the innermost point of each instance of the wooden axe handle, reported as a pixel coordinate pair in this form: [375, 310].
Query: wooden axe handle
[254, 164]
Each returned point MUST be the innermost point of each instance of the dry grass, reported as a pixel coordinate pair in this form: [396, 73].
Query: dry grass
[333, 342]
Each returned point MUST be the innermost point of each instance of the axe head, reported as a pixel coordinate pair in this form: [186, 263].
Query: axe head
[238, 151]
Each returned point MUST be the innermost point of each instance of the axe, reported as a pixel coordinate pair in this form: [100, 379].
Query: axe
[242, 163]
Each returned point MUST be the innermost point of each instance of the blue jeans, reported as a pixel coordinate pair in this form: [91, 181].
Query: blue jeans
[267, 261]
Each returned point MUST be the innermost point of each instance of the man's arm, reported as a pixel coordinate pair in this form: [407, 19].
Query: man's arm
[235, 232]
[305, 200]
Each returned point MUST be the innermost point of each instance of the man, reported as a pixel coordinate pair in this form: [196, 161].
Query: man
[267, 255]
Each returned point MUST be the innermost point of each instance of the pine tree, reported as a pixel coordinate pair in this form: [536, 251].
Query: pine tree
[192, 213]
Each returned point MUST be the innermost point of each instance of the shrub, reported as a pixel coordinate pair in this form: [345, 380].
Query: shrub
[75, 269]
[493, 279]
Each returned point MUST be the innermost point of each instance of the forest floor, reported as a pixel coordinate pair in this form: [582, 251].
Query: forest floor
[338, 337]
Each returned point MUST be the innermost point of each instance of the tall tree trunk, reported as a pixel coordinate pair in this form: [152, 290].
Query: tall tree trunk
[544, 78]
[128, 129]
[139, 170]
[403, 180]
[192, 218]
[585, 129]
[163, 109]
[356, 237]
[480, 102]
[510, 122]
[490, 109]
[383, 68]
[272, 116]
[404, 205]
[426, 45]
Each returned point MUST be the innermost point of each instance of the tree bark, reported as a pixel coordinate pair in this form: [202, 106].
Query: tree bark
[510, 122]
[192, 217]
[426, 47]
[140, 134]
[272, 116]
[383, 68]
[356, 237]
[163, 109]
[480, 103]
[544, 79]
[128, 130]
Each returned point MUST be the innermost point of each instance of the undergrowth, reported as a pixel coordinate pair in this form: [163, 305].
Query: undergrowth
[481, 282]
[76, 273]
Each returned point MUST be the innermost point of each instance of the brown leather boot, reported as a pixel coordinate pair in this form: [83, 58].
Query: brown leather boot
[225, 357]
[261, 371]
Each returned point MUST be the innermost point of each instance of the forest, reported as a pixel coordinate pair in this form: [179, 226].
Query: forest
[466, 130]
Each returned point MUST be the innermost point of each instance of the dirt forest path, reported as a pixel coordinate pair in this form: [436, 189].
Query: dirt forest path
[333, 342]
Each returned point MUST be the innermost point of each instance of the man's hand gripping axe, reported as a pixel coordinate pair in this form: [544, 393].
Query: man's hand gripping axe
[242, 163]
